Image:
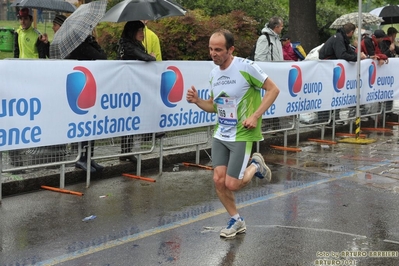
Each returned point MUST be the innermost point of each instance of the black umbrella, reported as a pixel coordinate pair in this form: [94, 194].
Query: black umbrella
[128, 10]
[389, 13]
[53, 5]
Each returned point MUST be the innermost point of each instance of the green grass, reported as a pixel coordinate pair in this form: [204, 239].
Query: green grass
[15, 24]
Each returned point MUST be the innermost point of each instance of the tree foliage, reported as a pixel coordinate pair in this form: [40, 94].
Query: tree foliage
[259, 10]
[186, 38]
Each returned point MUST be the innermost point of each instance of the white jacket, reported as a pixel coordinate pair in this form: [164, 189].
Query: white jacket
[263, 51]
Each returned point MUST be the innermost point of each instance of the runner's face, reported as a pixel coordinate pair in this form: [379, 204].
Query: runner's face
[218, 52]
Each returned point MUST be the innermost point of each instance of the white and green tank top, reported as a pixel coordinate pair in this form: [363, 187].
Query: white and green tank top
[236, 96]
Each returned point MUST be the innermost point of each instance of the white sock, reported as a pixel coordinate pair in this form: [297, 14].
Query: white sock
[257, 166]
[235, 217]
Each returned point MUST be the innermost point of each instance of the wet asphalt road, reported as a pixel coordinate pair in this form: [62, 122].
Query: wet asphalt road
[327, 205]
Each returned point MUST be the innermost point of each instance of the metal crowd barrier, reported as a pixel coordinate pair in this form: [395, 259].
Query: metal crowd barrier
[51, 157]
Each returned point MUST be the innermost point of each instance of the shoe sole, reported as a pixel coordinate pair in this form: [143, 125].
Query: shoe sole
[269, 172]
[241, 231]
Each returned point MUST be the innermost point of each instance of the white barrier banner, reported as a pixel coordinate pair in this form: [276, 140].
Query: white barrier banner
[48, 102]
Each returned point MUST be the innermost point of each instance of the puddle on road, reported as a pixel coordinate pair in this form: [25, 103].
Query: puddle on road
[377, 181]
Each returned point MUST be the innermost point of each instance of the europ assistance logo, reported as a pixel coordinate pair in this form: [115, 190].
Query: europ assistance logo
[339, 77]
[295, 80]
[172, 86]
[372, 74]
[81, 90]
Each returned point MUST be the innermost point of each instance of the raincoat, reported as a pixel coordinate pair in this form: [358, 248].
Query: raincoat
[151, 43]
[266, 51]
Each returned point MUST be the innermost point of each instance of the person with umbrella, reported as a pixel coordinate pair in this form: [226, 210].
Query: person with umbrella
[130, 47]
[58, 21]
[89, 49]
[75, 40]
[29, 42]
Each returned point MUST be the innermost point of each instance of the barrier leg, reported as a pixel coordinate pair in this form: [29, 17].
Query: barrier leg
[62, 176]
[138, 164]
[197, 154]
[160, 156]
[88, 158]
[297, 130]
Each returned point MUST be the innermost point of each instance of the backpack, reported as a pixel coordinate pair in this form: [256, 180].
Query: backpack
[299, 51]
[252, 55]
[314, 53]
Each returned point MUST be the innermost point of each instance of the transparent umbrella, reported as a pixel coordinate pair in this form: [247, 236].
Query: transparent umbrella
[367, 19]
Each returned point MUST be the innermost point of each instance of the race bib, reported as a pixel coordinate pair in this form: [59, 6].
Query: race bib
[227, 111]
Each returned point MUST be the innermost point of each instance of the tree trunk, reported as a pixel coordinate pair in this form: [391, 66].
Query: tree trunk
[302, 23]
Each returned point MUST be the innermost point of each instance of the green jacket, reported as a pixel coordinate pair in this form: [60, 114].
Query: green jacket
[27, 44]
[151, 43]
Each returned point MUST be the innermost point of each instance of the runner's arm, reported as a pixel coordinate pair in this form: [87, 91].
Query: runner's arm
[206, 105]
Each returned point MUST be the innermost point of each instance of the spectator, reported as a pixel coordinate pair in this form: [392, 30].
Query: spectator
[58, 21]
[239, 107]
[364, 33]
[388, 47]
[151, 42]
[288, 51]
[89, 49]
[40, 15]
[338, 47]
[28, 42]
[269, 48]
[130, 47]
[370, 47]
